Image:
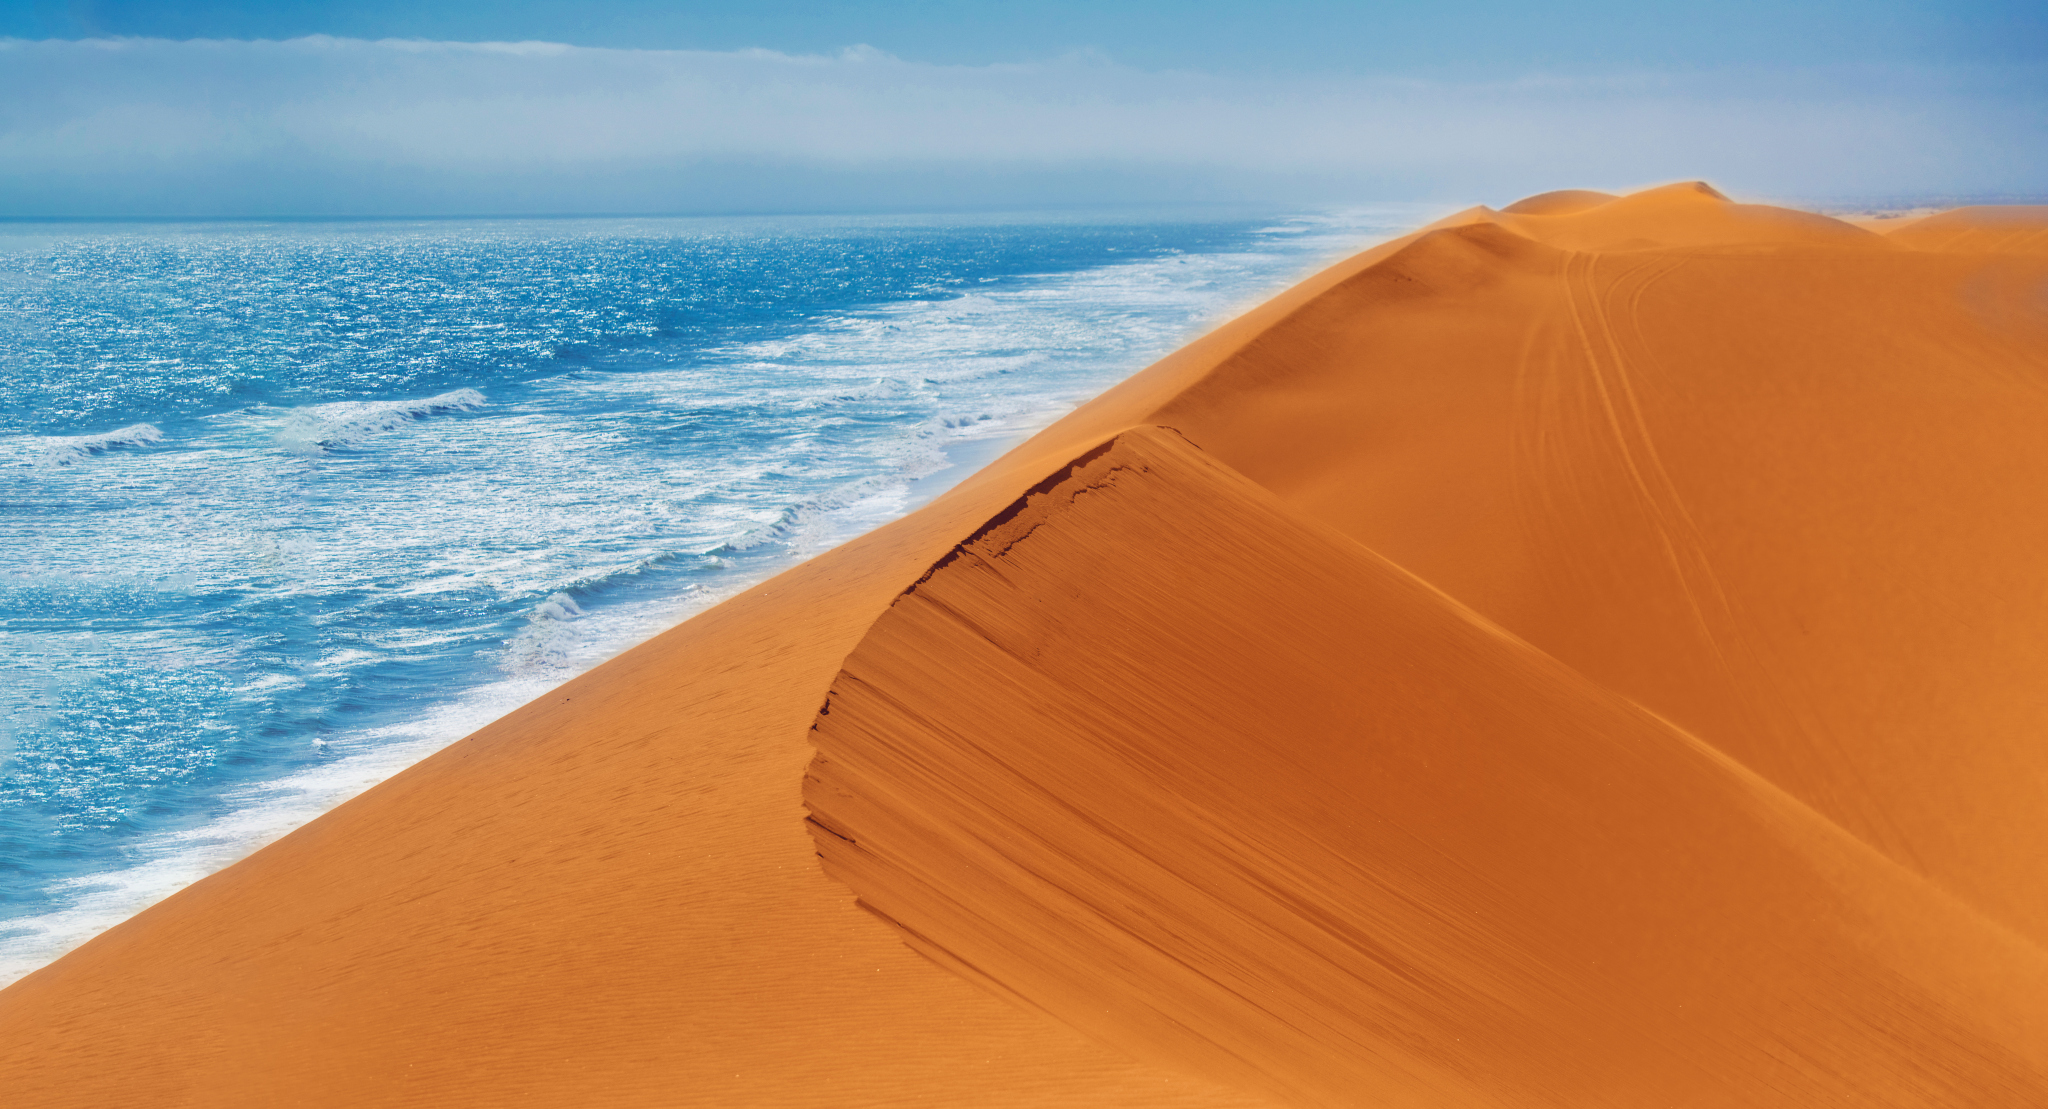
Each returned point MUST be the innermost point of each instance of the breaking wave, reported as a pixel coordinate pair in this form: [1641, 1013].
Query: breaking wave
[345, 424]
[284, 634]
[71, 450]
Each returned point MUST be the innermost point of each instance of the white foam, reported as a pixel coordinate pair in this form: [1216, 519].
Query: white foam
[322, 427]
[544, 648]
[940, 374]
[264, 813]
[809, 527]
[74, 449]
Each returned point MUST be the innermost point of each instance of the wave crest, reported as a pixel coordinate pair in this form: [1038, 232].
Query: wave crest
[325, 427]
[71, 450]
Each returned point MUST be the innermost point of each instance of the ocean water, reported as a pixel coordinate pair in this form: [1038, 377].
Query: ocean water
[285, 507]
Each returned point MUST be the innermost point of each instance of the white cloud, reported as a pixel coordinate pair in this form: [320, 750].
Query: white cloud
[322, 124]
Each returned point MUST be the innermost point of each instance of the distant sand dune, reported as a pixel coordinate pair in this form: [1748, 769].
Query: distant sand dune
[1586, 653]
[2013, 229]
[1687, 215]
[1559, 203]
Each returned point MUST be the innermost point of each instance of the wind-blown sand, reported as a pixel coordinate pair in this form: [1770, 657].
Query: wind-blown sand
[1584, 654]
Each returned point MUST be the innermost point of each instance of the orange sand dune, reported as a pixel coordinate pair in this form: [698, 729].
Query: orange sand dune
[2015, 229]
[1791, 497]
[1558, 203]
[1582, 654]
[607, 898]
[1687, 215]
[1215, 782]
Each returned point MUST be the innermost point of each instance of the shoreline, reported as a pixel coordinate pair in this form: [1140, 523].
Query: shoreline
[1342, 679]
[260, 812]
[267, 811]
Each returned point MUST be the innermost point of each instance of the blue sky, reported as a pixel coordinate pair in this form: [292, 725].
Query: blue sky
[823, 105]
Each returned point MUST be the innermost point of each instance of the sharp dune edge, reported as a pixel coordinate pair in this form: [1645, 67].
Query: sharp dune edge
[1582, 654]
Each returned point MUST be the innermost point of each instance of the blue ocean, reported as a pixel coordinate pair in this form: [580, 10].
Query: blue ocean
[286, 506]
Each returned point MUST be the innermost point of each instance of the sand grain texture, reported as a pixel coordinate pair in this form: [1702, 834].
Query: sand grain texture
[1586, 653]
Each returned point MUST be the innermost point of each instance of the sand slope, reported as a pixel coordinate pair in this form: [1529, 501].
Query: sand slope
[607, 898]
[2013, 229]
[1218, 783]
[1789, 496]
[1592, 657]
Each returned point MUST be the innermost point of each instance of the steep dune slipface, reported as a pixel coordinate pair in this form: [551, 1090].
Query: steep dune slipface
[1213, 782]
[1593, 658]
[607, 898]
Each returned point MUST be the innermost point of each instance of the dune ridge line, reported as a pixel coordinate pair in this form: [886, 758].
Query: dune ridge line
[1592, 658]
[1080, 892]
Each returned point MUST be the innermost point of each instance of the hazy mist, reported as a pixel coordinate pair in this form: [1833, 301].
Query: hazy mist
[337, 126]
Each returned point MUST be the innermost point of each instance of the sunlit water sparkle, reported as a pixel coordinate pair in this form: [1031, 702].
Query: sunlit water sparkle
[286, 507]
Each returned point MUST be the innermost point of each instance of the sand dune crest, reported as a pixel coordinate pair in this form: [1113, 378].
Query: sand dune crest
[1591, 658]
[1787, 498]
[2016, 229]
[1215, 783]
[1558, 202]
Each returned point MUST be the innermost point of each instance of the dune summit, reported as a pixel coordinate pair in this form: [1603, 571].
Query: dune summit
[1582, 654]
